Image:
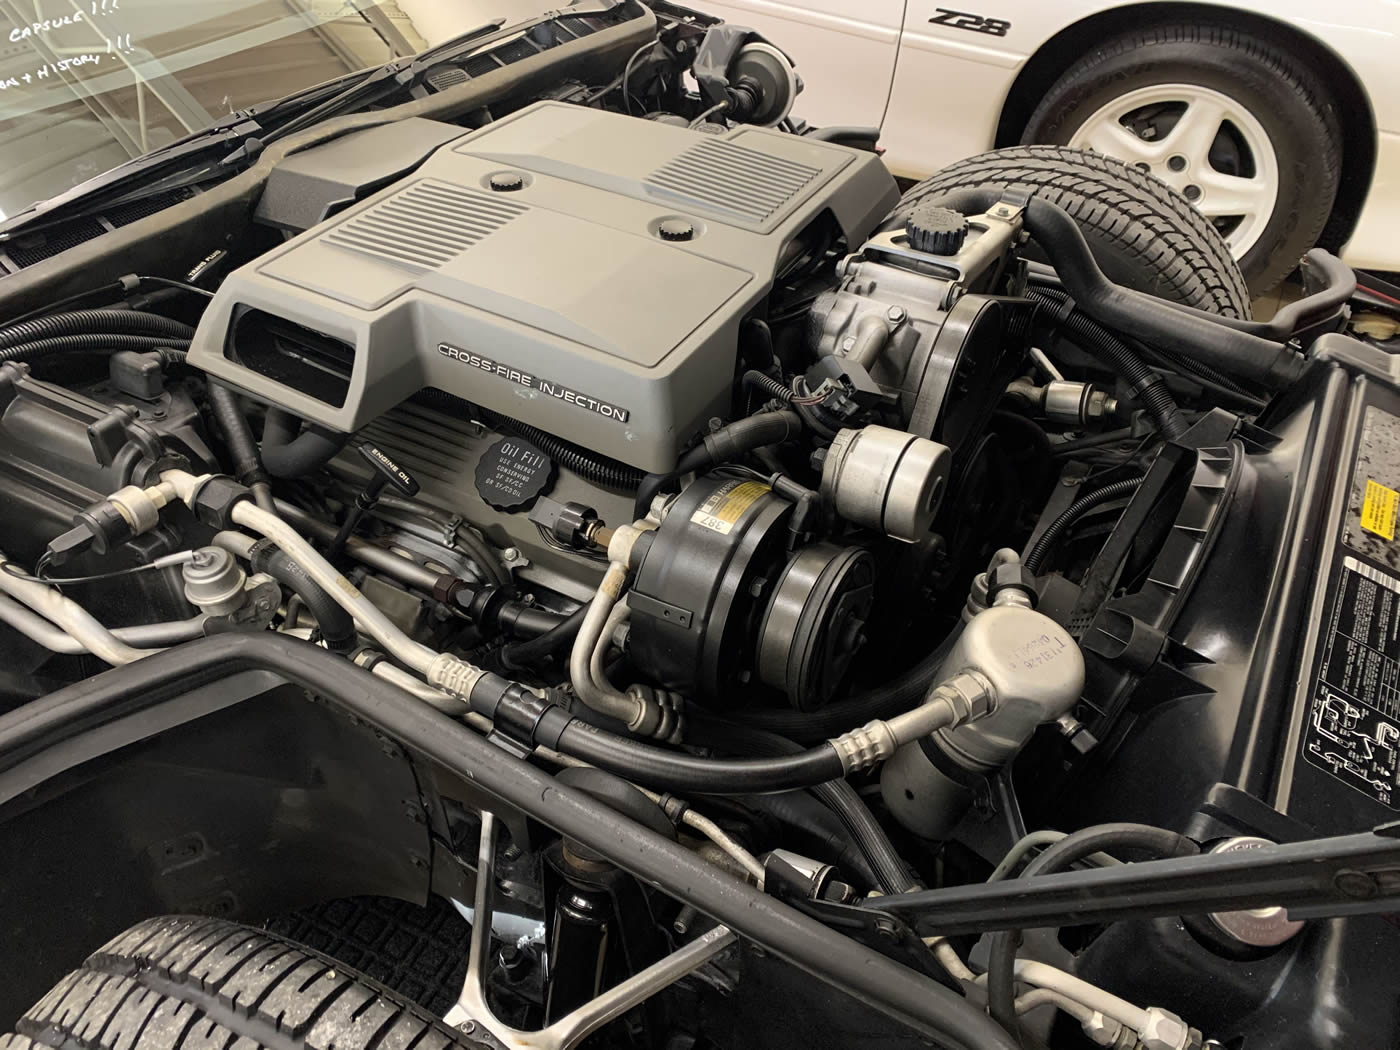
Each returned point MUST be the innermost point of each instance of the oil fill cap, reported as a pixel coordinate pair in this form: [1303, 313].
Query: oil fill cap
[513, 473]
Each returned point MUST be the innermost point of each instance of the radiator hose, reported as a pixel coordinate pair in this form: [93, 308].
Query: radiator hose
[337, 626]
[726, 444]
[289, 454]
[1199, 335]
[247, 463]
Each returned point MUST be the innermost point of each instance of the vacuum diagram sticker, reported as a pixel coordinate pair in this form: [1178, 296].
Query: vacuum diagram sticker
[1378, 509]
[1353, 728]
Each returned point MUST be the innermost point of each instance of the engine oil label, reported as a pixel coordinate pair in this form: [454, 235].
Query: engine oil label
[1378, 509]
[1353, 729]
[723, 507]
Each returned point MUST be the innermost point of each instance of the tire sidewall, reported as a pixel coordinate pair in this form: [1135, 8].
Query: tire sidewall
[1299, 135]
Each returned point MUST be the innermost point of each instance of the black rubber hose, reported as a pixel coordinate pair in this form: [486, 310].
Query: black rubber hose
[899, 694]
[1144, 384]
[828, 839]
[1185, 330]
[337, 626]
[756, 380]
[528, 621]
[1035, 557]
[678, 772]
[1108, 838]
[287, 454]
[238, 436]
[520, 655]
[697, 458]
[89, 342]
[1338, 286]
[891, 873]
[1338, 282]
[725, 445]
[82, 322]
[88, 708]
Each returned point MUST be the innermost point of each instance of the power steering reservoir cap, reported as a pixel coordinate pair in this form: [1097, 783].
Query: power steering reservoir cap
[938, 231]
[512, 474]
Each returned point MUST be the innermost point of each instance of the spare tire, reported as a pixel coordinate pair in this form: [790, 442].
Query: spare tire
[1143, 233]
[187, 983]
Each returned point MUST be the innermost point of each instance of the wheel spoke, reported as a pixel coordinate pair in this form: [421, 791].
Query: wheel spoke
[1195, 131]
[1112, 139]
[1231, 195]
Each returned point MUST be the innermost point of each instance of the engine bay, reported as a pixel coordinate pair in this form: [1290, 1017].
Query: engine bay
[933, 603]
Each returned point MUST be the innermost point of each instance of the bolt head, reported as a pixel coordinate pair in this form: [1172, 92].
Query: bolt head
[896, 314]
[510, 553]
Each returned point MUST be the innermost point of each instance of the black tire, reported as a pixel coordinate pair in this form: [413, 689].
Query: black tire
[186, 983]
[1143, 233]
[1279, 90]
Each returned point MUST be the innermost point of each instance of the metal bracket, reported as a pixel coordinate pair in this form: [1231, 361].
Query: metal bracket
[1320, 878]
[472, 1013]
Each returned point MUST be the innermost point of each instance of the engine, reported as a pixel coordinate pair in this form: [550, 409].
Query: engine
[851, 544]
[572, 269]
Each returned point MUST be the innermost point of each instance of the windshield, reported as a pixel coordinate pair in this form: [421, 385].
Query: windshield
[88, 84]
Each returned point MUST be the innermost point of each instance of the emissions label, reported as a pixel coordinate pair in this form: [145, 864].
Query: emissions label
[724, 506]
[1378, 508]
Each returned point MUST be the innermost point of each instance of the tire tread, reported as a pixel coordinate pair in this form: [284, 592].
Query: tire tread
[188, 983]
[1172, 248]
[1260, 61]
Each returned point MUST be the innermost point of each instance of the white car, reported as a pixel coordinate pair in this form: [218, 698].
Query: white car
[1279, 118]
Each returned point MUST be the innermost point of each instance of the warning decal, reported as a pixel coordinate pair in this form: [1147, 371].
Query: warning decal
[1378, 509]
[723, 507]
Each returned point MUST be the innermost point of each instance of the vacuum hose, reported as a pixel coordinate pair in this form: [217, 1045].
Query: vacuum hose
[1145, 384]
[81, 322]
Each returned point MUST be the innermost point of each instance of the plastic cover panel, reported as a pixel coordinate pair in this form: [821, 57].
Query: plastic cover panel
[428, 224]
[559, 303]
[731, 180]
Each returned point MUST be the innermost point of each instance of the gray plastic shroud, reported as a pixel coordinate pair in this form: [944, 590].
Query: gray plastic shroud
[557, 303]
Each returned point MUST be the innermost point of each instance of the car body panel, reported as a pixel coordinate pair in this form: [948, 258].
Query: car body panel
[951, 78]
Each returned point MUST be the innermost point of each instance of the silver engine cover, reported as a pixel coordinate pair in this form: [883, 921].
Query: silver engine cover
[575, 269]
